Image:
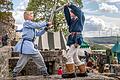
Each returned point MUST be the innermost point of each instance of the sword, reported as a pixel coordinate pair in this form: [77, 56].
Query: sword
[52, 13]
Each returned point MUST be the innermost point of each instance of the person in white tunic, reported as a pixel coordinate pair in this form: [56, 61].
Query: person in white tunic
[26, 46]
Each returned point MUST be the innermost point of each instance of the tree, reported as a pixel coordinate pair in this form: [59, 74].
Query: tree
[6, 19]
[5, 6]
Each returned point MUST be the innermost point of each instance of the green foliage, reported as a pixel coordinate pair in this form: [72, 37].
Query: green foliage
[58, 21]
[4, 16]
[84, 45]
[65, 30]
[5, 6]
[41, 7]
[108, 52]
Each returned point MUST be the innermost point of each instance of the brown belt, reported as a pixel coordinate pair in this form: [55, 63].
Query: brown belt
[74, 33]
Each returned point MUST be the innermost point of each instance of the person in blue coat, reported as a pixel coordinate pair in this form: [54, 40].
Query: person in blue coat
[75, 20]
[26, 46]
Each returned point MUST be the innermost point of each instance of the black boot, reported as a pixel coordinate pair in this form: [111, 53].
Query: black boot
[69, 75]
[45, 74]
[81, 74]
[14, 75]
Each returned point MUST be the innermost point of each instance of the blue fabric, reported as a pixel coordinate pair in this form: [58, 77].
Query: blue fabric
[75, 39]
[40, 32]
[74, 25]
[30, 33]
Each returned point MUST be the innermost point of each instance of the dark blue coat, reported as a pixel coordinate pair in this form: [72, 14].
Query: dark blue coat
[74, 25]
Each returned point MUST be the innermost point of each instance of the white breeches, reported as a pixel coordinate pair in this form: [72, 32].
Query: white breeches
[72, 56]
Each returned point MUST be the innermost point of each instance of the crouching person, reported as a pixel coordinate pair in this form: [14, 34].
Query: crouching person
[75, 20]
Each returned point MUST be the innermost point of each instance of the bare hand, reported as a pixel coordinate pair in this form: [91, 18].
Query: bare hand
[49, 27]
[67, 4]
[49, 23]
